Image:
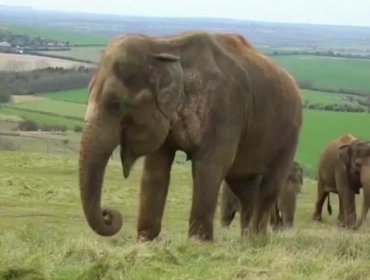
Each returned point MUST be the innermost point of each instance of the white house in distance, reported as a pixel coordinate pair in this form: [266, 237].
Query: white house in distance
[5, 44]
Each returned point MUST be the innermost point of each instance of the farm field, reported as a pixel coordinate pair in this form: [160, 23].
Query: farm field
[45, 235]
[86, 53]
[40, 118]
[60, 108]
[55, 34]
[23, 62]
[320, 127]
[76, 96]
[329, 72]
[313, 96]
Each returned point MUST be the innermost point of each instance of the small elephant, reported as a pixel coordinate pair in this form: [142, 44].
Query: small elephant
[284, 209]
[211, 95]
[344, 168]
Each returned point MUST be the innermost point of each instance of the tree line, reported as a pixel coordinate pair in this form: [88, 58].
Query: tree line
[42, 80]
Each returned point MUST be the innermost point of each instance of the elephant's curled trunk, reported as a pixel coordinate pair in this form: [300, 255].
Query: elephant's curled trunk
[94, 157]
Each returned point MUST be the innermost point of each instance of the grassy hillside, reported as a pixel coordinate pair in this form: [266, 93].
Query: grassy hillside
[18, 63]
[61, 108]
[44, 234]
[329, 72]
[313, 96]
[55, 34]
[77, 95]
[320, 127]
[85, 53]
[41, 118]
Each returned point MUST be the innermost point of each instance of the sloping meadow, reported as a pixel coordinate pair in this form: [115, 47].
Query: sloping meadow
[45, 236]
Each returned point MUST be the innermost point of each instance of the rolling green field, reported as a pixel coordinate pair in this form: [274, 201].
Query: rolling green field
[45, 236]
[313, 96]
[76, 95]
[61, 35]
[41, 118]
[320, 127]
[329, 72]
[85, 53]
[61, 108]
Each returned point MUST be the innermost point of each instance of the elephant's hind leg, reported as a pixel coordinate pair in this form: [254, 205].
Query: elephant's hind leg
[267, 193]
[340, 217]
[229, 205]
[245, 190]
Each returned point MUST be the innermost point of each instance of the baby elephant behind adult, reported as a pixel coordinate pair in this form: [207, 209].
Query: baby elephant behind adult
[284, 210]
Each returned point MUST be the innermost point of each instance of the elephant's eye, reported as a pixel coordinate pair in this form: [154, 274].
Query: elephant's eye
[113, 105]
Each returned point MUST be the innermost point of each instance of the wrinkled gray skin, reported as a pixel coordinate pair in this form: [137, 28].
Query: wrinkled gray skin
[283, 212]
[211, 95]
[344, 169]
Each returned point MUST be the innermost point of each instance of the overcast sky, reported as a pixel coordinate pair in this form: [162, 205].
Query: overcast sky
[342, 12]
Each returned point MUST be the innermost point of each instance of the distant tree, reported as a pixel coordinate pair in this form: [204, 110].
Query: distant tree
[307, 84]
[77, 128]
[28, 126]
[5, 96]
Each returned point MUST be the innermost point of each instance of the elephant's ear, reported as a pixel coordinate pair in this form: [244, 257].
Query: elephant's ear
[169, 84]
[345, 153]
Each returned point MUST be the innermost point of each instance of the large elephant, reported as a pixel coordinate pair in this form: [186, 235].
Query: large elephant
[344, 169]
[284, 211]
[232, 110]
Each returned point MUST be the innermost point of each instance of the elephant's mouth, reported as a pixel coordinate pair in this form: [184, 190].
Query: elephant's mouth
[127, 159]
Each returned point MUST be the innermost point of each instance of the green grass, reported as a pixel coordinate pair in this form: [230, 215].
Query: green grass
[45, 236]
[320, 127]
[328, 72]
[76, 95]
[61, 108]
[41, 118]
[85, 53]
[325, 97]
[55, 34]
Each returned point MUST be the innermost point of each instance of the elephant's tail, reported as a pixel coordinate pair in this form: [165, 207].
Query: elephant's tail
[329, 205]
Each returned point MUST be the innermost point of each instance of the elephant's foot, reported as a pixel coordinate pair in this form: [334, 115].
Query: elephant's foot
[350, 221]
[340, 223]
[147, 234]
[357, 225]
[317, 217]
[201, 231]
[226, 220]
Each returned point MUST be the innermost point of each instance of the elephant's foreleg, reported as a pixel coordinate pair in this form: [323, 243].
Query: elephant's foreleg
[207, 177]
[321, 196]
[365, 206]
[153, 193]
[347, 195]
[275, 218]
[287, 204]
